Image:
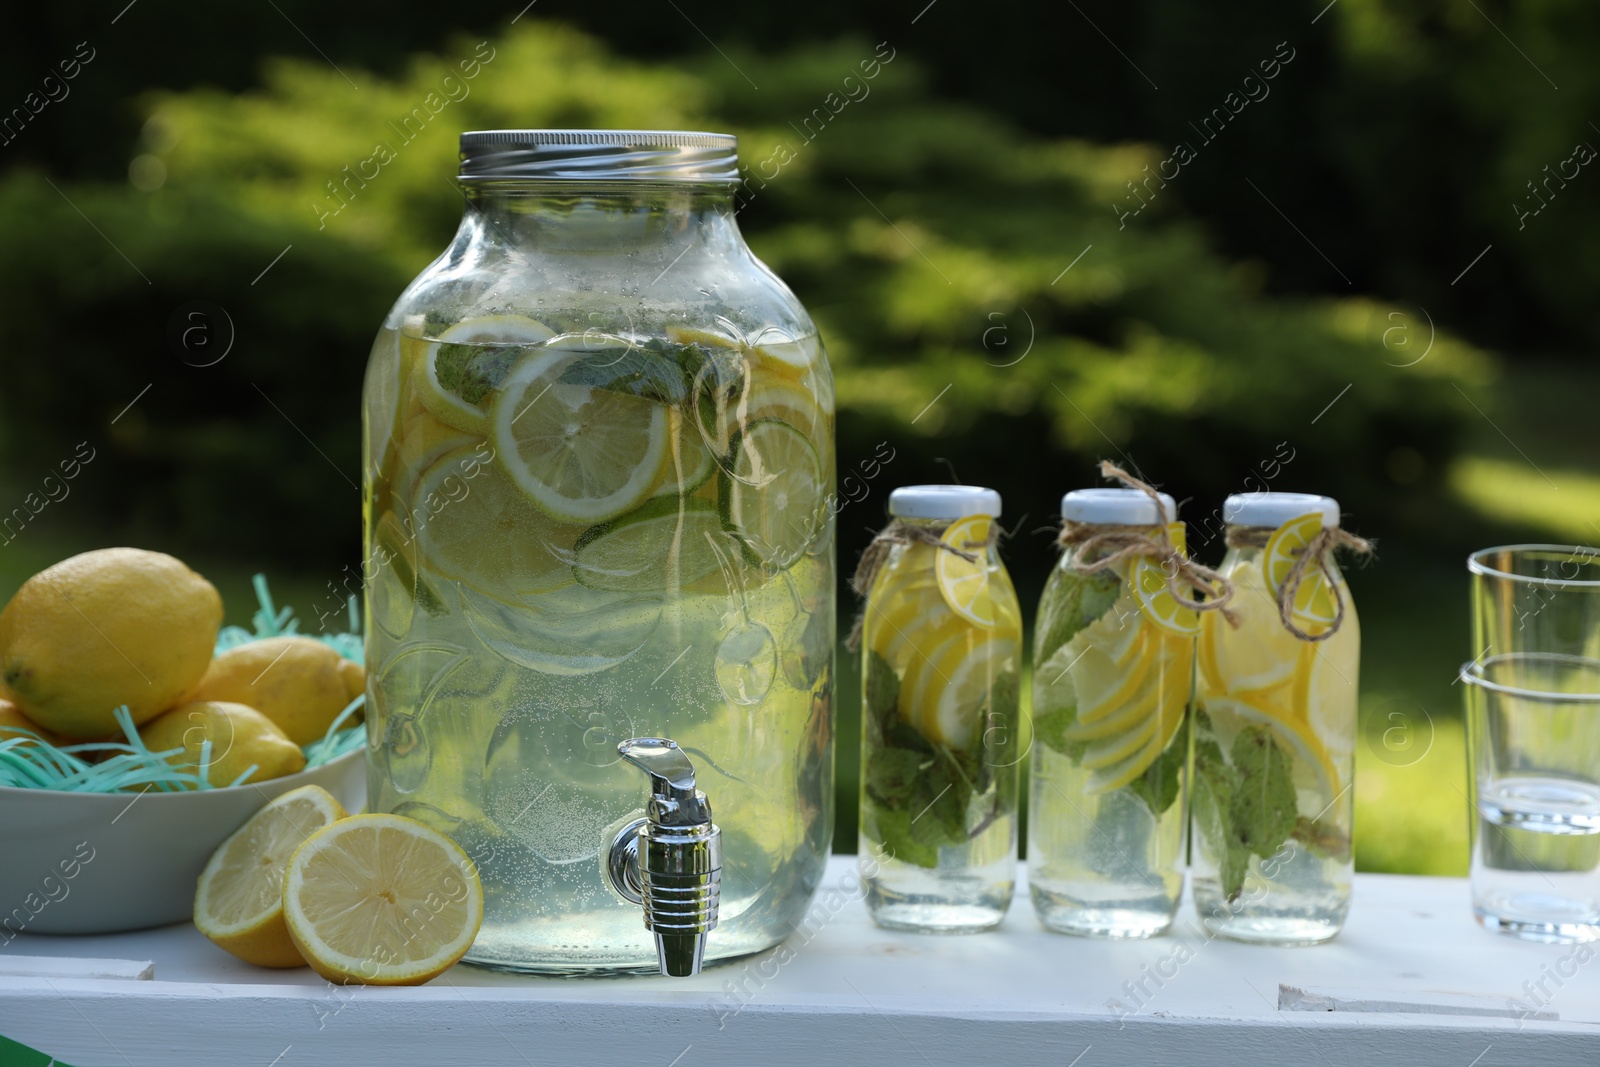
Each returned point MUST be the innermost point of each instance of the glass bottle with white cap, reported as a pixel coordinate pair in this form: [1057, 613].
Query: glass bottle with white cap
[1113, 682]
[1275, 727]
[941, 646]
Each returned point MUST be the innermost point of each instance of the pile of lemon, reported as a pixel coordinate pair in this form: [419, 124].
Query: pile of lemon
[125, 627]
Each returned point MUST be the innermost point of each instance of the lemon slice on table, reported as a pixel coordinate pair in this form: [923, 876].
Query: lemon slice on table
[1313, 766]
[964, 583]
[775, 492]
[472, 525]
[456, 373]
[238, 903]
[953, 707]
[582, 453]
[381, 900]
[1313, 600]
[1149, 581]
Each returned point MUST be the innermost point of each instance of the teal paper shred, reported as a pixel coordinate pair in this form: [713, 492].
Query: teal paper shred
[33, 763]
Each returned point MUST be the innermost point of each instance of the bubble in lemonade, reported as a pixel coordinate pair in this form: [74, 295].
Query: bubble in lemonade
[1274, 753]
[575, 538]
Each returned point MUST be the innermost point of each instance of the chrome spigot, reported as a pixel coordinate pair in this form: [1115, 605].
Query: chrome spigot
[670, 861]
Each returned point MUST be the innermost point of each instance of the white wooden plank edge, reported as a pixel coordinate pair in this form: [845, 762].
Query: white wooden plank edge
[75, 967]
[1296, 998]
[510, 1030]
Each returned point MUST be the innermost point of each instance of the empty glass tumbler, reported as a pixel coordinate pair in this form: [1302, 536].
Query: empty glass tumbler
[1532, 696]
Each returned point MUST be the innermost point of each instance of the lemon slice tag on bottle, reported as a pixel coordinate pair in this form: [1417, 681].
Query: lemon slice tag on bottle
[964, 583]
[1149, 580]
[1313, 601]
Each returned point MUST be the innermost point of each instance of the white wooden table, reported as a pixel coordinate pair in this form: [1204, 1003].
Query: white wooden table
[1412, 978]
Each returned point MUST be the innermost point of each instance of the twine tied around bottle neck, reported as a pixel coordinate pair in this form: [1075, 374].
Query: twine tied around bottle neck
[1102, 546]
[1328, 540]
[899, 532]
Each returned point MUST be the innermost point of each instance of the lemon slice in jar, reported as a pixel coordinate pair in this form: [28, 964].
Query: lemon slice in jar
[238, 902]
[472, 525]
[952, 706]
[1313, 600]
[456, 373]
[773, 492]
[1149, 582]
[582, 453]
[964, 583]
[381, 900]
[1260, 654]
[1325, 696]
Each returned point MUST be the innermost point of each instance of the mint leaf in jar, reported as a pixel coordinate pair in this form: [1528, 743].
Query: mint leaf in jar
[1158, 785]
[1071, 602]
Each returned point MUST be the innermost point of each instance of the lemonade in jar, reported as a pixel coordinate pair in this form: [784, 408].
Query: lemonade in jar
[1113, 682]
[1275, 726]
[941, 648]
[599, 455]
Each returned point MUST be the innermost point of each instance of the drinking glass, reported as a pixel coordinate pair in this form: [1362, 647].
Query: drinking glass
[1533, 739]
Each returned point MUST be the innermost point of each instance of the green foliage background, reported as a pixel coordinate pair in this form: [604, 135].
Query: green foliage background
[955, 233]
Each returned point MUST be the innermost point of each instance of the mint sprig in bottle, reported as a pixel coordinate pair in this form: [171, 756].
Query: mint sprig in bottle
[1274, 749]
[941, 648]
[1113, 683]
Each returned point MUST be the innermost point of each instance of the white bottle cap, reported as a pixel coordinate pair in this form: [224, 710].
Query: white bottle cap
[946, 502]
[1275, 509]
[1121, 507]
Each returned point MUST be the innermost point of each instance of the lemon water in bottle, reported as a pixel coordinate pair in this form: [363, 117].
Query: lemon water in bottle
[1113, 682]
[1275, 727]
[941, 647]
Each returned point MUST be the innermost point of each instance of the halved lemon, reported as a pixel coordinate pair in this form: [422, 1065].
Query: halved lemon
[953, 714]
[472, 525]
[964, 583]
[1313, 600]
[1325, 692]
[456, 373]
[582, 453]
[238, 903]
[382, 900]
[1149, 581]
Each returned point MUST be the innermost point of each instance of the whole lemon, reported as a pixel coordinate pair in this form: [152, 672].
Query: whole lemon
[114, 626]
[12, 720]
[298, 683]
[239, 736]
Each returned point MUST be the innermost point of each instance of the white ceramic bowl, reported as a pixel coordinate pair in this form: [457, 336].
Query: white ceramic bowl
[94, 863]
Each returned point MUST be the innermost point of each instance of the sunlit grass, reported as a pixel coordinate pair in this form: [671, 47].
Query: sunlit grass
[1563, 503]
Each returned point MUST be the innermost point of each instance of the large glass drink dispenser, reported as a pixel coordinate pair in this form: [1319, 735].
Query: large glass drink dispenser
[598, 466]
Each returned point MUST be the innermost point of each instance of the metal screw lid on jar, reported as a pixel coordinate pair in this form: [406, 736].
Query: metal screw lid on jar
[1119, 507]
[944, 502]
[1275, 509]
[599, 155]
